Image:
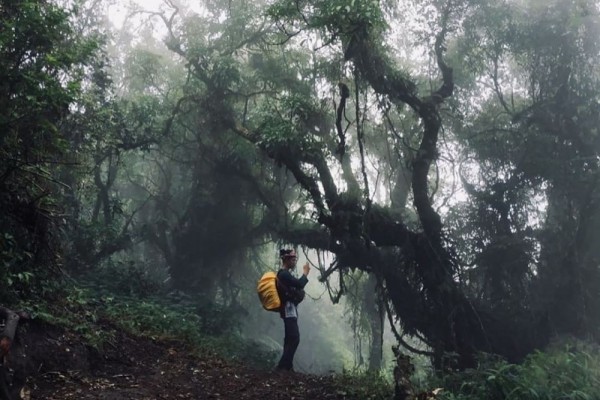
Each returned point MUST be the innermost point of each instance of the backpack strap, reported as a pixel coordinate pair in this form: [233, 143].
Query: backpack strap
[282, 289]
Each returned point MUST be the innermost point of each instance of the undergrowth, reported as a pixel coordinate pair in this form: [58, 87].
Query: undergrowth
[183, 323]
[75, 310]
[96, 317]
[569, 371]
[363, 385]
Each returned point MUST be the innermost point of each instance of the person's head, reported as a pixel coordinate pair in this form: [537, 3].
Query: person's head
[288, 258]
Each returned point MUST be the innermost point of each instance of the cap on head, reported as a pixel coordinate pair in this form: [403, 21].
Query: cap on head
[287, 253]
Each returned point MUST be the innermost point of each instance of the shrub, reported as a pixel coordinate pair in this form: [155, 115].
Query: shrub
[363, 385]
[124, 278]
[94, 313]
[185, 323]
[567, 371]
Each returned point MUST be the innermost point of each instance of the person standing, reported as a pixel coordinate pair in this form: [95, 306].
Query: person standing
[291, 292]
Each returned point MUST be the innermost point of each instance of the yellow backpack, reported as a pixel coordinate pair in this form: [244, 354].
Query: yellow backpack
[267, 292]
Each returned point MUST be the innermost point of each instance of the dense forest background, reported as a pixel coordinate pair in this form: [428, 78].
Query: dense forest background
[436, 161]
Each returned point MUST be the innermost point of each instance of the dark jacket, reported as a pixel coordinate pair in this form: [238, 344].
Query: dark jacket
[286, 281]
[286, 277]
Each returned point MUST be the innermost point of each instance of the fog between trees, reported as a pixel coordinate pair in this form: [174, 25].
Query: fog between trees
[443, 152]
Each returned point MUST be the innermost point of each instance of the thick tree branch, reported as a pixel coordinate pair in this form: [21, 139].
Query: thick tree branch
[308, 183]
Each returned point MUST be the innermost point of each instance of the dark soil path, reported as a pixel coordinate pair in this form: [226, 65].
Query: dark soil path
[136, 368]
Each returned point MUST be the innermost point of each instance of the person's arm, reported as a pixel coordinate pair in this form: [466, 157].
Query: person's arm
[290, 281]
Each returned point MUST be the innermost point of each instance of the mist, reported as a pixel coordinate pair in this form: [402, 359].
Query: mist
[436, 164]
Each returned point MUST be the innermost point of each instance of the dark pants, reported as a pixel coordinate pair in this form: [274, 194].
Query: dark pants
[290, 343]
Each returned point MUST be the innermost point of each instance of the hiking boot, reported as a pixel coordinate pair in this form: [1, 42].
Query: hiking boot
[283, 371]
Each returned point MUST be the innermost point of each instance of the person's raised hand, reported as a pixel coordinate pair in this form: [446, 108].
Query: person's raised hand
[306, 269]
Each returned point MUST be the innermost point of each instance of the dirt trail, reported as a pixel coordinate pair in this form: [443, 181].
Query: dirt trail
[144, 369]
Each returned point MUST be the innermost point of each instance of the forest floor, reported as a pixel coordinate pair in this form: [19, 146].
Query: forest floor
[140, 368]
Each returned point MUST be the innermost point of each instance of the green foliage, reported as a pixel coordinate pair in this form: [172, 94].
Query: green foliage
[96, 316]
[283, 126]
[42, 65]
[124, 278]
[224, 72]
[74, 309]
[147, 318]
[528, 148]
[194, 200]
[341, 17]
[366, 385]
[39, 61]
[193, 326]
[571, 371]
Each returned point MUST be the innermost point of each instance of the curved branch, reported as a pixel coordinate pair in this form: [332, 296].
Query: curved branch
[341, 109]
[347, 173]
[308, 183]
[447, 87]
[399, 338]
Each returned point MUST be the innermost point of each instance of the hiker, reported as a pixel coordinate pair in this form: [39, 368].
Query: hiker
[291, 293]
